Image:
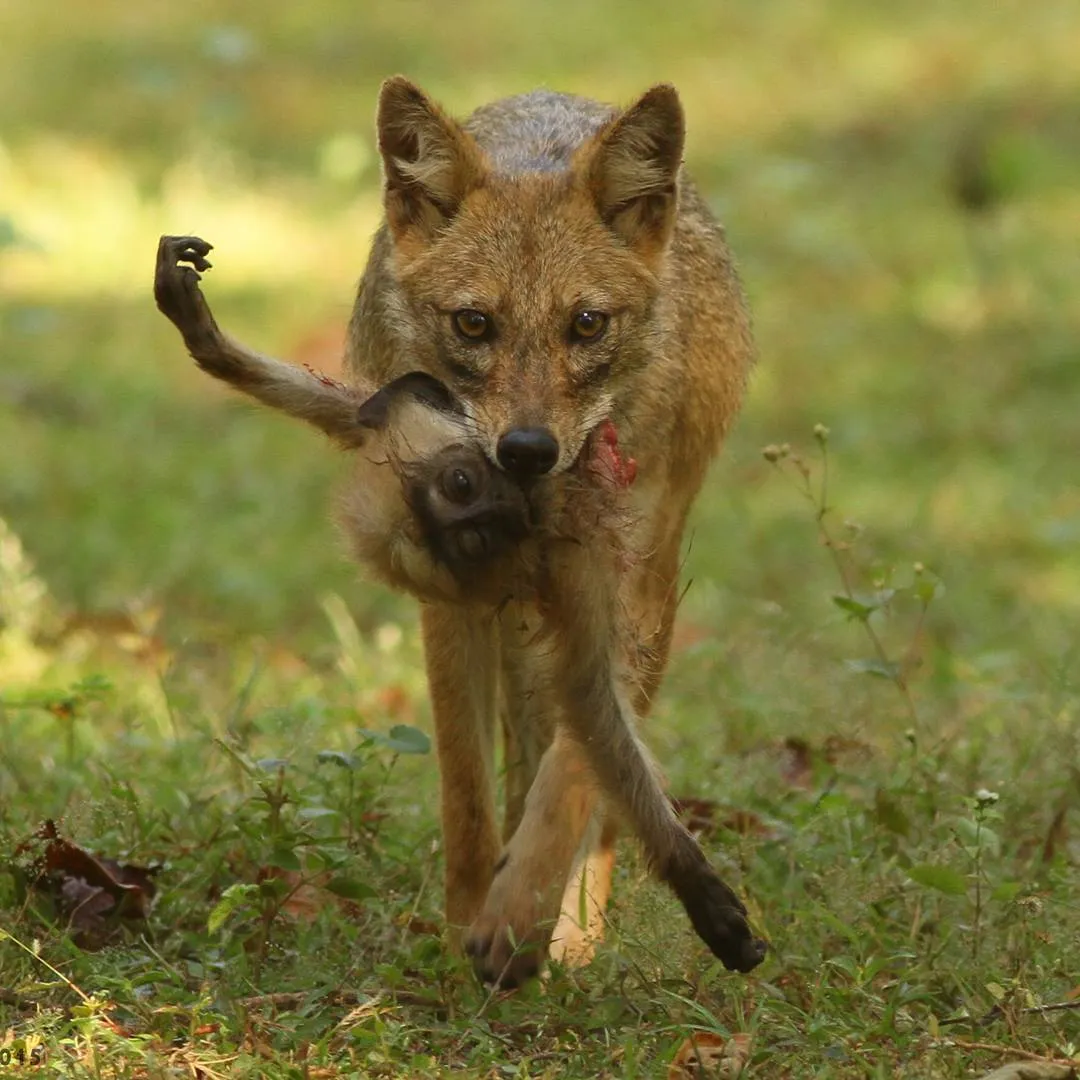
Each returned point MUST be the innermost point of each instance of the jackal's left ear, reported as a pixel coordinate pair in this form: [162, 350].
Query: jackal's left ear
[430, 162]
[633, 169]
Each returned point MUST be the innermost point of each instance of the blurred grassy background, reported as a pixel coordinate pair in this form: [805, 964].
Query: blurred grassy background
[899, 183]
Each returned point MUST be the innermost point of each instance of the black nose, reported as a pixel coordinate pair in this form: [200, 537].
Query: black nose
[526, 452]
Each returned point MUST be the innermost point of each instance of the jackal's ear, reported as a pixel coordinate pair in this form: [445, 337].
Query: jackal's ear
[430, 163]
[633, 169]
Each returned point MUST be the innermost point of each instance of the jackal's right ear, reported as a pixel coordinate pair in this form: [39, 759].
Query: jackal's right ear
[430, 162]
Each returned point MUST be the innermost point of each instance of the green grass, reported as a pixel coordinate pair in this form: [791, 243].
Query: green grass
[194, 593]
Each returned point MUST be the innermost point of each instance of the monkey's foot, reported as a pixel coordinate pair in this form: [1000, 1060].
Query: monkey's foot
[717, 914]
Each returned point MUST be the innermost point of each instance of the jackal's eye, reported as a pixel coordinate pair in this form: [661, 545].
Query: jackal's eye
[471, 324]
[588, 325]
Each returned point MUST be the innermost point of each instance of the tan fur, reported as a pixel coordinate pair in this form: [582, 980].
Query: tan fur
[534, 210]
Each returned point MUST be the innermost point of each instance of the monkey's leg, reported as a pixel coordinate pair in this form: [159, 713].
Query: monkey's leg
[651, 595]
[327, 404]
[600, 715]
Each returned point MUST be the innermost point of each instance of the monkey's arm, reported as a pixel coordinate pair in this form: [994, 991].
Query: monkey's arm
[327, 404]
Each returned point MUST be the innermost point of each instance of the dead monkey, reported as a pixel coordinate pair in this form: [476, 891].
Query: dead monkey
[431, 515]
[428, 512]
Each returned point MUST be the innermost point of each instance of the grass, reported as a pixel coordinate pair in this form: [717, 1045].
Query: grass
[188, 664]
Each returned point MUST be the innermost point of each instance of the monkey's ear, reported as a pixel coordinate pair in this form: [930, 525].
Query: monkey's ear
[416, 385]
[430, 163]
[632, 169]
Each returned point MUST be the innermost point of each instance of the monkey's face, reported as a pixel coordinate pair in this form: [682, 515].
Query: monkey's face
[470, 512]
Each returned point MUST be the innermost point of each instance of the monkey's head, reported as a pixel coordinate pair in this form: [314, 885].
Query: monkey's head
[483, 525]
[470, 512]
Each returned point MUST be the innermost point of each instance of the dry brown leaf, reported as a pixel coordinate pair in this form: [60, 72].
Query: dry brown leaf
[704, 816]
[91, 891]
[307, 896]
[423, 927]
[698, 815]
[707, 1055]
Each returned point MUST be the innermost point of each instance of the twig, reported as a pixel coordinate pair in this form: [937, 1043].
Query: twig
[997, 1012]
[293, 999]
[1008, 1051]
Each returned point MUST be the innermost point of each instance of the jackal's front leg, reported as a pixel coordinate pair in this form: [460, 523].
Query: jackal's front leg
[461, 656]
[327, 404]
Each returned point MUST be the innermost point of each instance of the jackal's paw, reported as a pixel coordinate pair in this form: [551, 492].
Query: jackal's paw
[508, 942]
[176, 285]
[718, 916]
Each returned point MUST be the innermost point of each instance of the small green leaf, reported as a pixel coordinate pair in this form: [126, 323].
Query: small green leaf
[284, 859]
[978, 837]
[872, 666]
[927, 589]
[336, 757]
[1007, 891]
[854, 608]
[235, 896]
[408, 740]
[350, 888]
[942, 878]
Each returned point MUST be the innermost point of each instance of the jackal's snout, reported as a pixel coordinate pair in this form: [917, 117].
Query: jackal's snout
[527, 452]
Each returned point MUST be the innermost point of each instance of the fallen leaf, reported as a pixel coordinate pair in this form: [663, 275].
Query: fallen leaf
[838, 748]
[705, 1054]
[704, 816]
[698, 815]
[91, 891]
[422, 927]
[306, 897]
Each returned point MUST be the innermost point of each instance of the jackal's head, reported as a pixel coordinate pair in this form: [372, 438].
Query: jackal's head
[527, 251]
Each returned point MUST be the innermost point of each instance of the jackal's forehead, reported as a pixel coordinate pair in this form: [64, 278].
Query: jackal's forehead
[529, 244]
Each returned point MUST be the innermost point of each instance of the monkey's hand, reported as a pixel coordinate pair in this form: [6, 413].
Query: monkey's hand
[177, 273]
